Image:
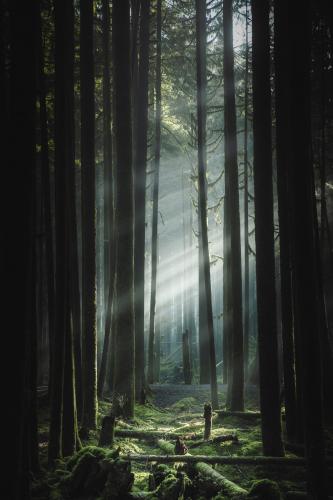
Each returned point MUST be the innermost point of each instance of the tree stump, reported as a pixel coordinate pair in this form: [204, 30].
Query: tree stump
[208, 414]
[107, 431]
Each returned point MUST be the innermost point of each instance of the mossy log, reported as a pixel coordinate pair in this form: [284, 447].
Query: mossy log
[246, 415]
[222, 484]
[206, 471]
[153, 435]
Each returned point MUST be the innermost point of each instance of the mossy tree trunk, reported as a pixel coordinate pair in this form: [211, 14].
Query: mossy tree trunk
[125, 344]
[89, 338]
[264, 233]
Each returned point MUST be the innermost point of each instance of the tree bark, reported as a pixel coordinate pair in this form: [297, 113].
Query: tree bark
[157, 155]
[125, 344]
[140, 164]
[231, 179]
[283, 137]
[306, 264]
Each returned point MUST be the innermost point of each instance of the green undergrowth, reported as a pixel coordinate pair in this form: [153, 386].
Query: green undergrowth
[63, 481]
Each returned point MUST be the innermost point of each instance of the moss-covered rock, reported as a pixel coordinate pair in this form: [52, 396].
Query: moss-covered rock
[119, 481]
[96, 451]
[265, 489]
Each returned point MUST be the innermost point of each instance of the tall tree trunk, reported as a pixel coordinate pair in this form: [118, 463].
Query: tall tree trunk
[61, 164]
[231, 179]
[306, 263]
[109, 253]
[202, 160]
[157, 154]
[46, 190]
[125, 343]
[89, 337]
[246, 202]
[19, 233]
[70, 439]
[283, 137]
[141, 127]
[204, 358]
[264, 234]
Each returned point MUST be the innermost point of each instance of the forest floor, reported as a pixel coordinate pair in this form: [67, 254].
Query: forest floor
[176, 409]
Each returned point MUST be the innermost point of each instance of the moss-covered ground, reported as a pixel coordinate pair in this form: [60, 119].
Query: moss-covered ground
[183, 417]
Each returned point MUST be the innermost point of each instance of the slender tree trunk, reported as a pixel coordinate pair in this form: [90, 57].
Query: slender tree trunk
[264, 234]
[46, 189]
[283, 137]
[109, 254]
[125, 344]
[246, 203]
[89, 337]
[201, 112]
[157, 155]
[140, 163]
[226, 293]
[70, 439]
[231, 178]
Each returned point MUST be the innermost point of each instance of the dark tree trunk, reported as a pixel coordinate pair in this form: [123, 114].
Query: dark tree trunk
[201, 113]
[46, 194]
[141, 127]
[283, 138]
[89, 338]
[70, 441]
[231, 179]
[125, 346]
[19, 143]
[62, 30]
[157, 155]
[264, 234]
[306, 263]
[109, 253]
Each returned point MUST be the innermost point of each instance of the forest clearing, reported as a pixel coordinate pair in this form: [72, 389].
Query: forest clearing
[145, 444]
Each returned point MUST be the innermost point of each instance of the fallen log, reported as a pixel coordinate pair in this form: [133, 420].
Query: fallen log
[208, 474]
[247, 415]
[222, 484]
[153, 435]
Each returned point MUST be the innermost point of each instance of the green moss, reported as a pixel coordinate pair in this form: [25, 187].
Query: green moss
[265, 489]
[95, 451]
[184, 404]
